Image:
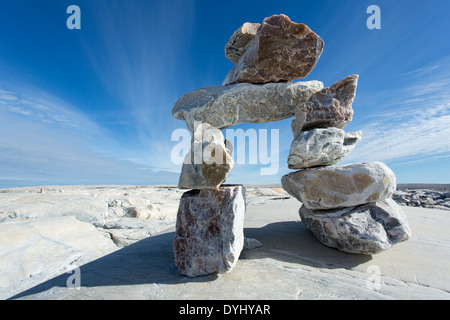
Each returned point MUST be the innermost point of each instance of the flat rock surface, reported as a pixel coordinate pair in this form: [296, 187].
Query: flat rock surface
[291, 264]
[33, 250]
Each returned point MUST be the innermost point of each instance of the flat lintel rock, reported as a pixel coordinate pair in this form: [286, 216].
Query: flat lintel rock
[321, 147]
[341, 186]
[281, 51]
[226, 106]
[209, 231]
[366, 229]
[240, 40]
[330, 107]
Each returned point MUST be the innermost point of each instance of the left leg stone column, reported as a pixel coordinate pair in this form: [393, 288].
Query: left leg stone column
[209, 231]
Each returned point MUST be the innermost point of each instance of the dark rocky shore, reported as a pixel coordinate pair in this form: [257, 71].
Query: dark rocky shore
[436, 196]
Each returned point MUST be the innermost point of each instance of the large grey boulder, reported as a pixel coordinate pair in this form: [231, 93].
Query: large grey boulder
[280, 51]
[209, 161]
[341, 186]
[321, 147]
[226, 106]
[209, 231]
[366, 229]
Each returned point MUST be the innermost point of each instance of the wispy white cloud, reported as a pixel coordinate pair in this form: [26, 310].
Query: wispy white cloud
[414, 123]
[42, 107]
[45, 140]
[7, 97]
[137, 58]
[413, 134]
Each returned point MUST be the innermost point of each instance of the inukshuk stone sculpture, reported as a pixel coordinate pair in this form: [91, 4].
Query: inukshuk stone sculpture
[259, 89]
[209, 231]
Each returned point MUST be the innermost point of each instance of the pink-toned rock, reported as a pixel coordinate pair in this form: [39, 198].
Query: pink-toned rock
[209, 231]
[280, 51]
[330, 107]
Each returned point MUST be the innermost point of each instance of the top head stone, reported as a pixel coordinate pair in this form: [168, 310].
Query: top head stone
[280, 51]
[240, 40]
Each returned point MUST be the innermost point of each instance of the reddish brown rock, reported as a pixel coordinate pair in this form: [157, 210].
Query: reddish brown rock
[209, 231]
[281, 51]
[330, 107]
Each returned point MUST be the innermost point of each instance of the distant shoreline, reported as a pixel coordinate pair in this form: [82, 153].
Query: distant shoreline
[401, 186]
[428, 186]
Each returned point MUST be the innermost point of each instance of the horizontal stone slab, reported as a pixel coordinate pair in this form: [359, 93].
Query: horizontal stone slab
[341, 186]
[226, 106]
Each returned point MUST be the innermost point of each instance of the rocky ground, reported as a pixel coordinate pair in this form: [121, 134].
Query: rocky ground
[43, 231]
[425, 196]
[121, 237]
[123, 214]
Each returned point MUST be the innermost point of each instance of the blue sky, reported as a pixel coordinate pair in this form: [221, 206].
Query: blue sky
[93, 106]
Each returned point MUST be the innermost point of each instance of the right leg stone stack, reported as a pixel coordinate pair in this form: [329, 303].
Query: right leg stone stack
[346, 207]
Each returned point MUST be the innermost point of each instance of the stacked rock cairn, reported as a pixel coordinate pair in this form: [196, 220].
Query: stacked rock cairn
[346, 207]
